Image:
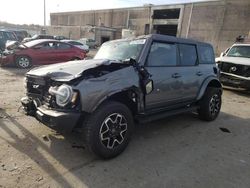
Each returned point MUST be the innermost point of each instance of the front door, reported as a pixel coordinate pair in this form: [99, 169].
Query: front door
[44, 53]
[162, 65]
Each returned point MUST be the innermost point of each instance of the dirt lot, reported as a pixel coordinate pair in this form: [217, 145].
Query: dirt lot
[180, 151]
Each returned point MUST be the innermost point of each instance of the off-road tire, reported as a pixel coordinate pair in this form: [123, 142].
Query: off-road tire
[95, 123]
[210, 104]
[23, 62]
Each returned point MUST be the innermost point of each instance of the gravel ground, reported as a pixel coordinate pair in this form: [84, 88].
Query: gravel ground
[180, 151]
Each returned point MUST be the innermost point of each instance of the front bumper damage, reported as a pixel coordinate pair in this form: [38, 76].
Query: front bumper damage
[55, 119]
[235, 80]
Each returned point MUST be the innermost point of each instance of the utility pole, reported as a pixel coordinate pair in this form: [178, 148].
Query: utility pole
[44, 12]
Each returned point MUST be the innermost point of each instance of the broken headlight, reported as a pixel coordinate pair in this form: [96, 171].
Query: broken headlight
[63, 94]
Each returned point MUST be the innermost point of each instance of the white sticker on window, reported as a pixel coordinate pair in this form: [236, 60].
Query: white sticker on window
[141, 41]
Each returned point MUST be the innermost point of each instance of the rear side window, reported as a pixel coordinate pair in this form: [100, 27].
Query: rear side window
[63, 46]
[76, 43]
[162, 54]
[206, 55]
[188, 55]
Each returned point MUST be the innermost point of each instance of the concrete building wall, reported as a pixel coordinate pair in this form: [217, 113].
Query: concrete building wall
[73, 32]
[134, 18]
[77, 32]
[236, 21]
[217, 22]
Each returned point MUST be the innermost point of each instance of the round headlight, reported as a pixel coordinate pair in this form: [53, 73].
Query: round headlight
[64, 95]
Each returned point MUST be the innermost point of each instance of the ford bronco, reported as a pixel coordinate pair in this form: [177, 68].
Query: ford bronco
[129, 80]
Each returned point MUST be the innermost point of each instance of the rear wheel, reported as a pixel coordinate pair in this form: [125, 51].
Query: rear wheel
[108, 130]
[210, 104]
[23, 62]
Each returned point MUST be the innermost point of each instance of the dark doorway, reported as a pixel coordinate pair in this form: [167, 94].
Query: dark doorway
[166, 29]
[146, 29]
[166, 14]
[104, 39]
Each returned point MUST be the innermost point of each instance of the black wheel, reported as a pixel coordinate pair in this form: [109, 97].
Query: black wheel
[108, 130]
[210, 104]
[23, 62]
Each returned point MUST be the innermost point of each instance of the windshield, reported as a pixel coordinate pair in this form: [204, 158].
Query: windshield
[239, 51]
[34, 36]
[120, 50]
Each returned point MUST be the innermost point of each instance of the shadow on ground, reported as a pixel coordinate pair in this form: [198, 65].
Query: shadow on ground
[173, 152]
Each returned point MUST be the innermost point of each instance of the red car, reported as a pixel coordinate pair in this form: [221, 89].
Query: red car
[42, 52]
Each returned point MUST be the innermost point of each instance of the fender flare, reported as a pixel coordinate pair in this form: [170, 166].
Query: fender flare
[210, 80]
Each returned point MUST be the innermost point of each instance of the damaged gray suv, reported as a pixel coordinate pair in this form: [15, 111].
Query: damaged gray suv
[129, 80]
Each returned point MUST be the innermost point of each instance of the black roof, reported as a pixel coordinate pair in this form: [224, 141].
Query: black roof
[166, 38]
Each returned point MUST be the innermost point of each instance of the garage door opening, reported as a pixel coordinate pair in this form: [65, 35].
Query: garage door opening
[166, 14]
[166, 29]
[104, 39]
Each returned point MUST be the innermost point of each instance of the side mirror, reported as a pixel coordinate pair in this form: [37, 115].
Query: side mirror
[222, 54]
[149, 86]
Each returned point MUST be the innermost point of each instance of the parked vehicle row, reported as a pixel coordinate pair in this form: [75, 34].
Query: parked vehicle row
[41, 52]
[30, 53]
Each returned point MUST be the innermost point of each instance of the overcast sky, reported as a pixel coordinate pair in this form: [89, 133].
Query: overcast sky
[31, 11]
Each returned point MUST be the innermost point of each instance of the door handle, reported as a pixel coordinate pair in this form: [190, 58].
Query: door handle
[199, 73]
[176, 75]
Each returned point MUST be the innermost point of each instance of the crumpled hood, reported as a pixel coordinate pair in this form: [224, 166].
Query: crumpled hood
[235, 60]
[67, 71]
[11, 45]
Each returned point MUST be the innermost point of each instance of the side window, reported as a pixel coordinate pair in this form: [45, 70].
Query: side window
[48, 45]
[162, 54]
[188, 55]
[206, 55]
[1, 35]
[75, 43]
[62, 46]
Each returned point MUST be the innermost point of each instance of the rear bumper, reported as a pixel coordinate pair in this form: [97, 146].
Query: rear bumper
[235, 81]
[55, 119]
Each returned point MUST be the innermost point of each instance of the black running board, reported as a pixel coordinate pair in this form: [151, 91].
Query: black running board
[144, 118]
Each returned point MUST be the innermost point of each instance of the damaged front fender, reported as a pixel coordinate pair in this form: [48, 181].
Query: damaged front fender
[96, 90]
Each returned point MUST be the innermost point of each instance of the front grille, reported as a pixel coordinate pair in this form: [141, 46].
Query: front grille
[241, 70]
[37, 87]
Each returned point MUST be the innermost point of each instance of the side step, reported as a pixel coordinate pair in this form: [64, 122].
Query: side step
[152, 117]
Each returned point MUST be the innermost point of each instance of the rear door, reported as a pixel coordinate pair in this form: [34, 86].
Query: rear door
[162, 64]
[64, 52]
[192, 74]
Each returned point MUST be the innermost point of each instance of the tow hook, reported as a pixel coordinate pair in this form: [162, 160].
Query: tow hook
[28, 106]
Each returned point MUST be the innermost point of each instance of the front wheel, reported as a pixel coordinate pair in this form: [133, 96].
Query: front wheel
[210, 104]
[108, 130]
[23, 62]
